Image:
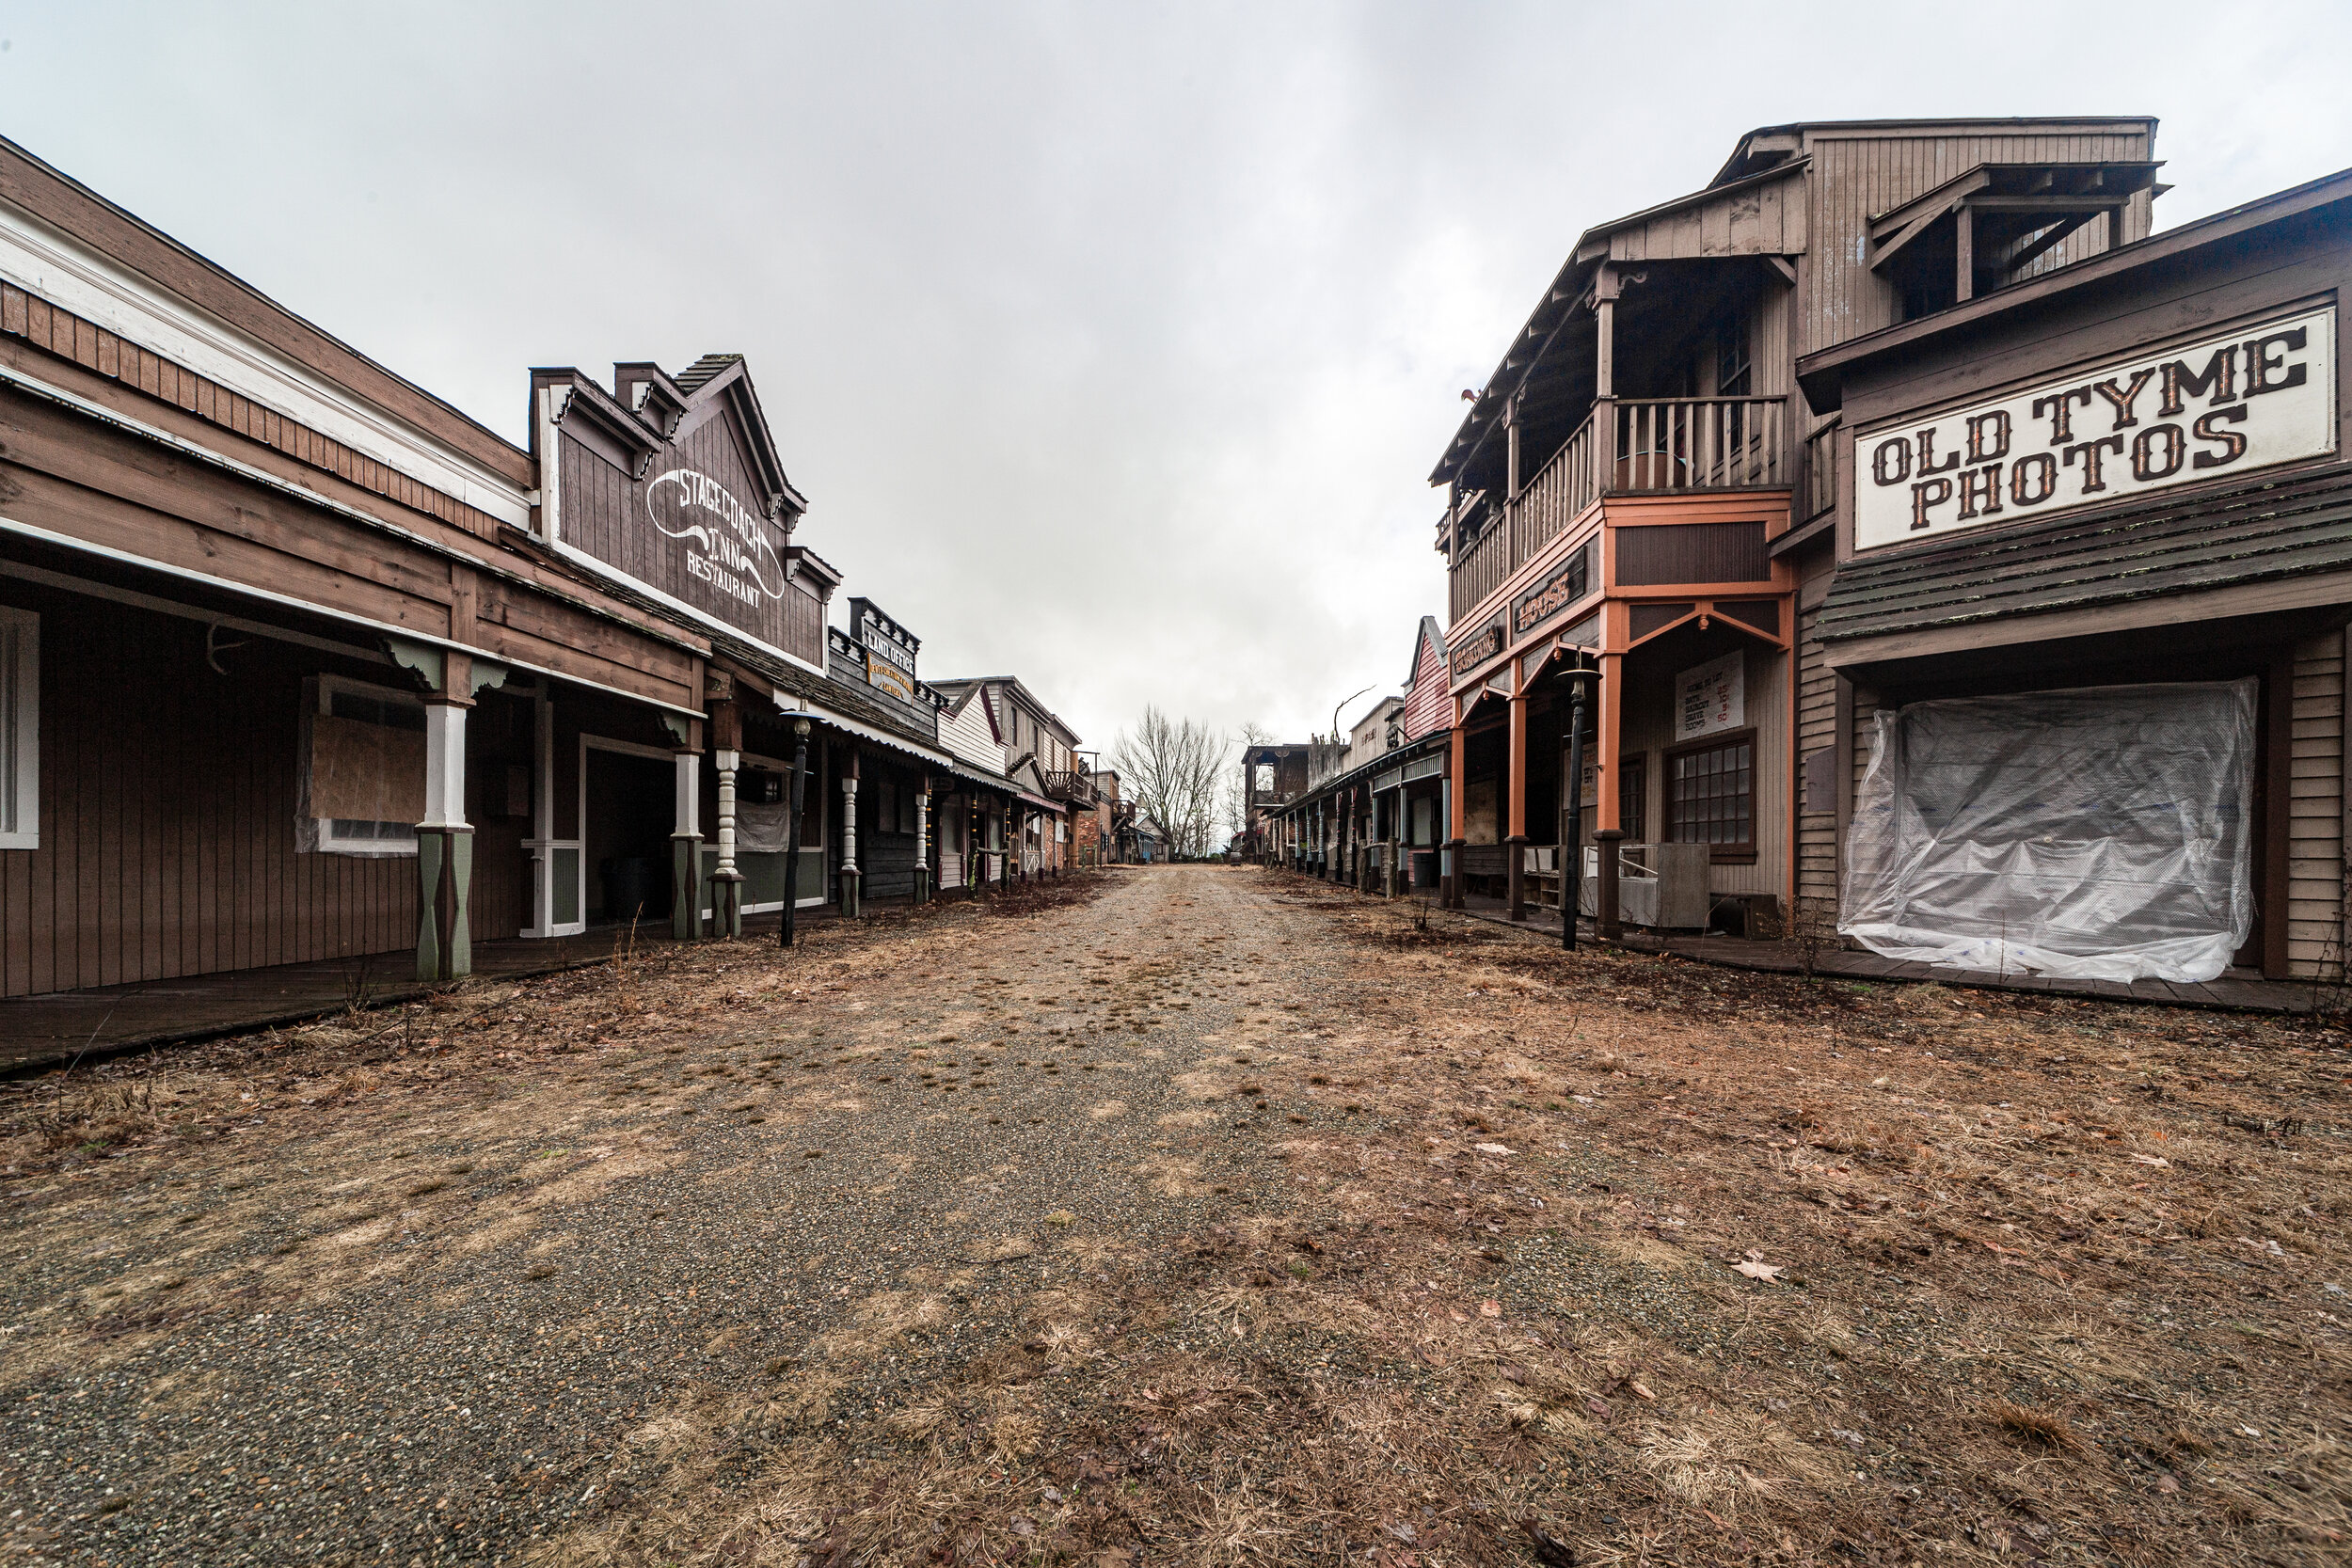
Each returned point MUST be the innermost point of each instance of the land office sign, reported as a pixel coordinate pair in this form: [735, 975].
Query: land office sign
[2250, 399]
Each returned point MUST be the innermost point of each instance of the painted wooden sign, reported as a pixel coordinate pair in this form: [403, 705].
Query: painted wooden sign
[1564, 585]
[2227, 404]
[1711, 697]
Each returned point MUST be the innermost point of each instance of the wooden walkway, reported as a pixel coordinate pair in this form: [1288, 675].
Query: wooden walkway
[2238, 990]
[41, 1032]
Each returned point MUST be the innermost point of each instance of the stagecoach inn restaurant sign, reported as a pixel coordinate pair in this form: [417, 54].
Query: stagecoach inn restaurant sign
[2244, 399]
[726, 545]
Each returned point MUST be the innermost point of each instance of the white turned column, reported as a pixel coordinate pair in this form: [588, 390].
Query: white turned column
[728, 762]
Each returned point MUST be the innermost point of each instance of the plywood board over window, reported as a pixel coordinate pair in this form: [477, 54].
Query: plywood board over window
[364, 769]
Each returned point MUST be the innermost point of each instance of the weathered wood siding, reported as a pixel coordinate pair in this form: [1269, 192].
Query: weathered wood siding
[604, 514]
[168, 825]
[1427, 705]
[1648, 730]
[1768, 218]
[1856, 174]
[2315, 892]
[1817, 848]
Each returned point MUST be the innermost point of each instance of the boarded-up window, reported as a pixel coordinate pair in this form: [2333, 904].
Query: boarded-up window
[367, 769]
[19, 729]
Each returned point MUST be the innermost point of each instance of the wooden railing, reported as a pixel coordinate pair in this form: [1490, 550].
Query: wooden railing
[1702, 444]
[1821, 471]
[1480, 570]
[1563, 488]
[1660, 444]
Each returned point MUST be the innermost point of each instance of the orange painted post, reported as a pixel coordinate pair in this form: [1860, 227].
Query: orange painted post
[1606, 924]
[1516, 841]
[1457, 818]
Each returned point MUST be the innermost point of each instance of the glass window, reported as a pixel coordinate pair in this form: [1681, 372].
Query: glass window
[1710, 795]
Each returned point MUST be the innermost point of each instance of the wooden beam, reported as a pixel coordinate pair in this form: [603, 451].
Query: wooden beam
[1883, 254]
[2051, 238]
[1964, 247]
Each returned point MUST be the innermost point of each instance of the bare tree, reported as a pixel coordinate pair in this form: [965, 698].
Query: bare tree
[1172, 768]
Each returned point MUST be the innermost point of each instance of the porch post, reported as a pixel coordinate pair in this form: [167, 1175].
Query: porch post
[848, 836]
[792, 833]
[1605, 286]
[923, 840]
[686, 842]
[726, 882]
[444, 839]
[1456, 821]
[1606, 922]
[1572, 816]
[1516, 871]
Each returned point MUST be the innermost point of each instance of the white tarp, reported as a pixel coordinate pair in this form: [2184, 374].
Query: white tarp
[2103, 833]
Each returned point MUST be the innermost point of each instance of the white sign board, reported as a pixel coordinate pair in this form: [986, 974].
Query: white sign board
[1711, 697]
[2223, 405]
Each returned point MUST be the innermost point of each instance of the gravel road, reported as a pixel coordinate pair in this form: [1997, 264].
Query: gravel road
[1191, 1214]
[441, 1333]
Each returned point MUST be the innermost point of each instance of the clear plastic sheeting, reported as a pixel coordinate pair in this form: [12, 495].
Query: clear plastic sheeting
[2103, 833]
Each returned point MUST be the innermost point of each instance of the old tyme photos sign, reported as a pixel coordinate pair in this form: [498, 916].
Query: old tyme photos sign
[2233, 402]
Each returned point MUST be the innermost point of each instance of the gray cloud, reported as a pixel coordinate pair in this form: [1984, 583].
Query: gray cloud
[1111, 344]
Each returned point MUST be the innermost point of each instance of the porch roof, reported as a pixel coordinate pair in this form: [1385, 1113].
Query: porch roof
[2263, 529]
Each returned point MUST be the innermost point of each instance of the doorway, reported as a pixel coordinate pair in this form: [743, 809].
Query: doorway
[627, 806]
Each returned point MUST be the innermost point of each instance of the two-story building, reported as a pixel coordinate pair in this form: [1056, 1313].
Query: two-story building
[2073, 605]
[1019, 823]
[1629, 489]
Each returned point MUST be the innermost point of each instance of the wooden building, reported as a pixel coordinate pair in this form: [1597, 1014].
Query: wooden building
[2073, 601]
[1373, 813]
[1001, 725]
[1624, 490]
[299, 663]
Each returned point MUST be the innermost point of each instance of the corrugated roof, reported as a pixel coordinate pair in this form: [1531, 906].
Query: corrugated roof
[2278, 526]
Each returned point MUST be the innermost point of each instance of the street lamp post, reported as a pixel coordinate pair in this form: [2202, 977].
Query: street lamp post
[792, 833]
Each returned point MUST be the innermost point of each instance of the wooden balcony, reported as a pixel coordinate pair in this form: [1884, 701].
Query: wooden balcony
[1628, 446]
[1076, 789]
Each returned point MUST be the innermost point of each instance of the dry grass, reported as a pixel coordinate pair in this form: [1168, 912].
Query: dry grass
[1764, 1271]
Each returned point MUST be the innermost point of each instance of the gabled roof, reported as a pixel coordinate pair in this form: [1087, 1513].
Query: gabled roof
[955, 687]
[648, 408]
[1429, 635]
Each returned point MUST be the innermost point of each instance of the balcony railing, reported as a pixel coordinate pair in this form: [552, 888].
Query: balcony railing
[1076, 789]
[1480, 570]
[1821, 471]
[1656, 444]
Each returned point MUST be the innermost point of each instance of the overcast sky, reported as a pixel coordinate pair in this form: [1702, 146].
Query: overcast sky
[1111, 344]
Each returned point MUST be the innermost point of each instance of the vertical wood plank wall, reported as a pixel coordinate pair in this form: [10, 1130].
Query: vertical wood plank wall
[167, 818]
[2315, 891]
[168, 815]
[1817, 730]
[1854, 177]
[1648, 729]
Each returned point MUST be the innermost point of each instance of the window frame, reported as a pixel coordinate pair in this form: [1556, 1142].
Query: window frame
[1718, 854]
[331, 842]
[20, 747]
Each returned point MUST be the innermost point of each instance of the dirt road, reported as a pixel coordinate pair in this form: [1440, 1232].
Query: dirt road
[1193, 1214]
